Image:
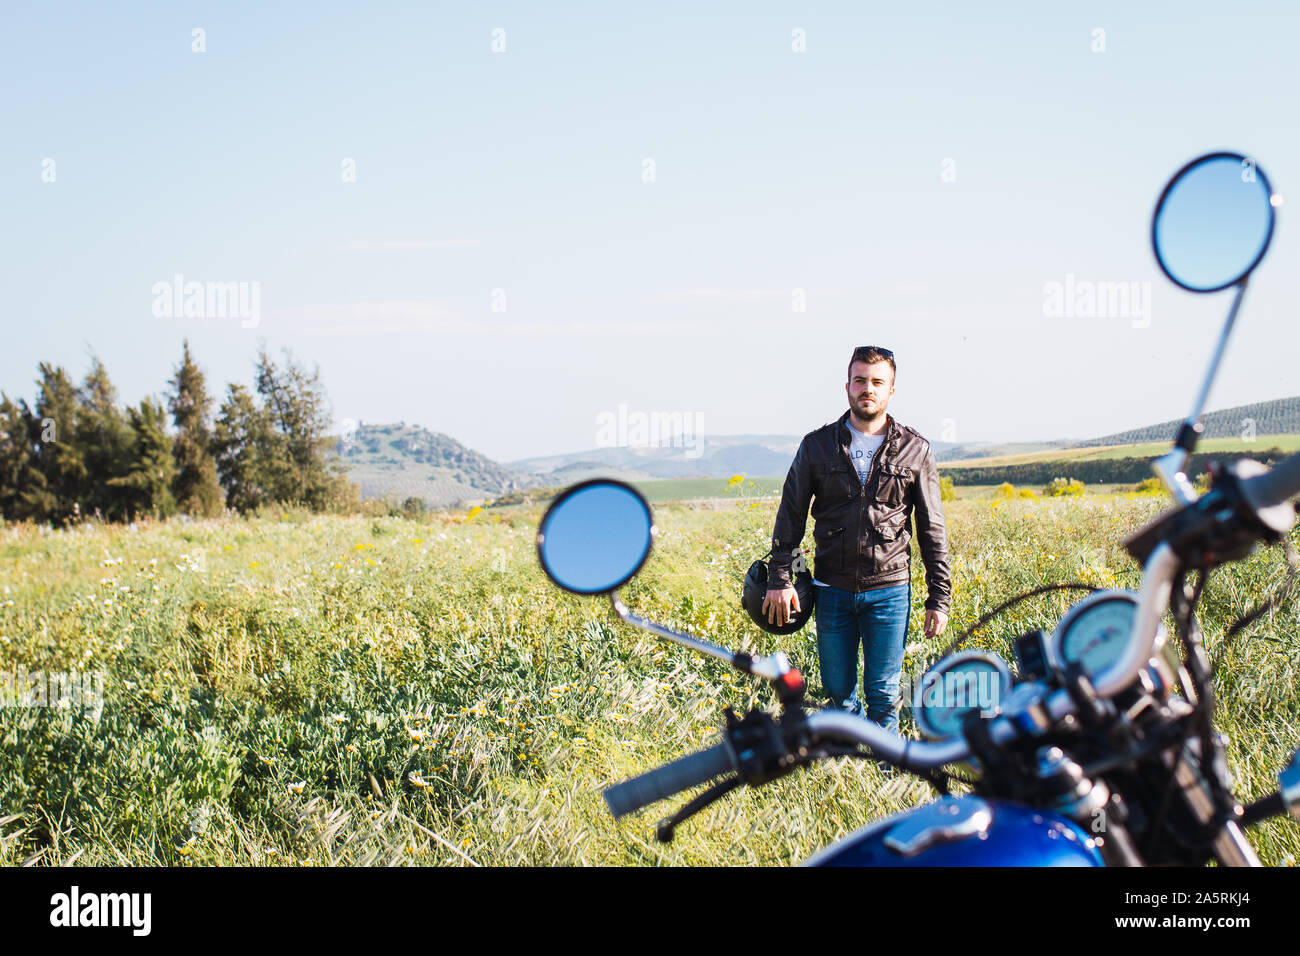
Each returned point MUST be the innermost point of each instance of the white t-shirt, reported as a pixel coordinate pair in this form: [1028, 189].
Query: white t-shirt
[862, 448]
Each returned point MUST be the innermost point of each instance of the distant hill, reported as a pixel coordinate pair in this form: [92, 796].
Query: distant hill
[1281, 416]
[985, 449]
[719, 456]
[401, 461]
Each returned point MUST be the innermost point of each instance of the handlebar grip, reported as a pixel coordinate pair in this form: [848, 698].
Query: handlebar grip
[682, 774]
[1281, 483]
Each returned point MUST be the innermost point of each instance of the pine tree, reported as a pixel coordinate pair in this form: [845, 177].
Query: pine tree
[104, 439]
[58, 455]
[145, 489]
[195, 487]
[297, 409]
[276, 451]
[241, 440]
[23, 492]
[290, 401]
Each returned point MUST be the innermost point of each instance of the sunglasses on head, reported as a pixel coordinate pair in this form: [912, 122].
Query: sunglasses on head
[864, 349]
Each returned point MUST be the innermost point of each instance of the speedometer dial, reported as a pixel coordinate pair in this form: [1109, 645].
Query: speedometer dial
[957, 685]
[1095, 632]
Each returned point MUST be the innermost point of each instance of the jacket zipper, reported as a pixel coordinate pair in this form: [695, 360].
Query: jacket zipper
[862, 513]
[862, 495]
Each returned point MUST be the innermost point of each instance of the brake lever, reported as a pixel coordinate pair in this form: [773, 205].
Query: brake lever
[666, 826]
[762, 755]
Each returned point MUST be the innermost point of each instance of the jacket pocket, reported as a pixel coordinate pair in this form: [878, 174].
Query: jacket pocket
[892, 485]
[893, 548]
[830, 549]
[834, 481]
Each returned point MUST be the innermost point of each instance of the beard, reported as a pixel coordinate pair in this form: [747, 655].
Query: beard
[869, 413]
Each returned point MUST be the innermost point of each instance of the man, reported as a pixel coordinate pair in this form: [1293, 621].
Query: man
[866, 476]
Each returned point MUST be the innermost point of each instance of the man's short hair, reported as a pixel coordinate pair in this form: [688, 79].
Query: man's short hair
[871, 354]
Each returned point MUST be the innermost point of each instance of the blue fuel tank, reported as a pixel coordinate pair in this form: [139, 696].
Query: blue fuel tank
[965, 831]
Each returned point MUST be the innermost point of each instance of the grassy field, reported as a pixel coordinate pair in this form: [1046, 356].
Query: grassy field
[719, 489]
[305, 690]
[685, 489]
[660, 490]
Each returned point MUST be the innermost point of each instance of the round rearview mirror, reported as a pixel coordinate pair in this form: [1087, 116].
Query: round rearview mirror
[1213, 222]
[595, 536]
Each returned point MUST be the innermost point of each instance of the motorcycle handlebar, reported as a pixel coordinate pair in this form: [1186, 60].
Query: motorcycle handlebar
[1279, 484]
[697, 768]
[662, 782]
[885, 744]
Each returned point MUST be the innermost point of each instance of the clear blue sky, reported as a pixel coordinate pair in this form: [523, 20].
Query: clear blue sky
[522, 170]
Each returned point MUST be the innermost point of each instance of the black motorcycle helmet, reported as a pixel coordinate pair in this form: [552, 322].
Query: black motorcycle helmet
[755, 591]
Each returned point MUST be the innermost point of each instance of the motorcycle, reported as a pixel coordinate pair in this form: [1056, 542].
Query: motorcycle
[1099, 749]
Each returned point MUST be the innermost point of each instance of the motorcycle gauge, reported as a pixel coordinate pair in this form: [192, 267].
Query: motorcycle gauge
[956, 685]
[1095, 632]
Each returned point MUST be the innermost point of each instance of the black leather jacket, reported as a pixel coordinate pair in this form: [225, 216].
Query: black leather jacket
[862, 530]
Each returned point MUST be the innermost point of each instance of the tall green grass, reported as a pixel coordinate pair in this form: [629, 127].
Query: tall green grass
[305, 690]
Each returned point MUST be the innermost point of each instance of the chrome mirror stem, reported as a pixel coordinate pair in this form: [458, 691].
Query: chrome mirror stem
[1169, 466]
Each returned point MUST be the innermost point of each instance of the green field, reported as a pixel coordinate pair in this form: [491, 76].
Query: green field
[306, 690]
[660, 490]
[1143, 450]
[715, 489]
[686, 489]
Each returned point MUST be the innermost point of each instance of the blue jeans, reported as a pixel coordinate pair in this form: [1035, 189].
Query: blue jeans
[878, 620]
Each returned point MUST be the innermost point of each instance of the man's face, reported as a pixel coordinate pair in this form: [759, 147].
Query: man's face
[870, 388]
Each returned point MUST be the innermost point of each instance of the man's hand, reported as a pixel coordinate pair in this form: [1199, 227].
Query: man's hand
[780, 606]
[936, 622]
